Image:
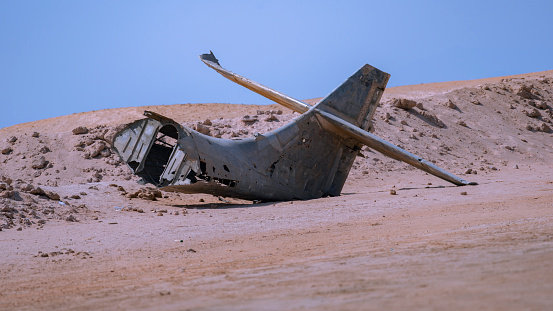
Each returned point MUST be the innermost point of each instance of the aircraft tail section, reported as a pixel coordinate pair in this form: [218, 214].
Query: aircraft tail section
[355, 102]
[356, 99]
[347, 112]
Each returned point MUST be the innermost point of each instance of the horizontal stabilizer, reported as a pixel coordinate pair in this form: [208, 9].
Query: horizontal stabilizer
[390, 150]
[276, 96]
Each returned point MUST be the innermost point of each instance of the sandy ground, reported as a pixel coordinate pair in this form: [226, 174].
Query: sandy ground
[82, 243]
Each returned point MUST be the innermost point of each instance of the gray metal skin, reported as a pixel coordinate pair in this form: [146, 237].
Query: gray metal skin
[308, 158]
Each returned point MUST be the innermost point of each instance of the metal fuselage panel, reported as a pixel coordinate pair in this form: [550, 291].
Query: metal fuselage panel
[297, 161]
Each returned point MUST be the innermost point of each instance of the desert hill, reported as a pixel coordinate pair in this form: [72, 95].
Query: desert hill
[63, 188]
[478, 125]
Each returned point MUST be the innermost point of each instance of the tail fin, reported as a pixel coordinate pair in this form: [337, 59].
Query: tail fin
[356, 99]
[350, 109]
[355, 102]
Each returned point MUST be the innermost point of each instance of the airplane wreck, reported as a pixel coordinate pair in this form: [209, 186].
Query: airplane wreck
[307, 158]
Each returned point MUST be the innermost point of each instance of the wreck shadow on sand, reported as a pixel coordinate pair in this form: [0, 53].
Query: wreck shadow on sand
[207, 206]
[426, 187]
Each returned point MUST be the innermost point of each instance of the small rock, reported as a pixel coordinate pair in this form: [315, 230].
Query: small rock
[8, 180]
[545, 128]
[534, 113]
[541, 105]
[247, 120]
[524, 91]
[432, 118]
[201, 128]
[450, 104]
[464, 193]
[12, 139]
[36, 191]
[44, 149]
[217, 133]
[70, 218]
[207, 122]
[7, 150]
[105, 153]
[6, 194]
[80, 130]
[35, 134]
[393, 192]
[96, 177]
[271, 118]
[96, 148]
[462, 123]
[52, 195]
[403, 103]
[39, 163]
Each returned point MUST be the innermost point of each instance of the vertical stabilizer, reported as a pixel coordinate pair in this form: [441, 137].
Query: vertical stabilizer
[355, 101]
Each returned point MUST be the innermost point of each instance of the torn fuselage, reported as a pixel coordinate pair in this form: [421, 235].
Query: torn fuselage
[291, 162]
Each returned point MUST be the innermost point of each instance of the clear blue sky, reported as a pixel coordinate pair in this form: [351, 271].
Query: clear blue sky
[62, 57]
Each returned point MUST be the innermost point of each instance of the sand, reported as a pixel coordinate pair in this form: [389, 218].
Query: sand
[78, 231]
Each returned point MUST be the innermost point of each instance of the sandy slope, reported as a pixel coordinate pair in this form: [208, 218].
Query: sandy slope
[84, 244]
